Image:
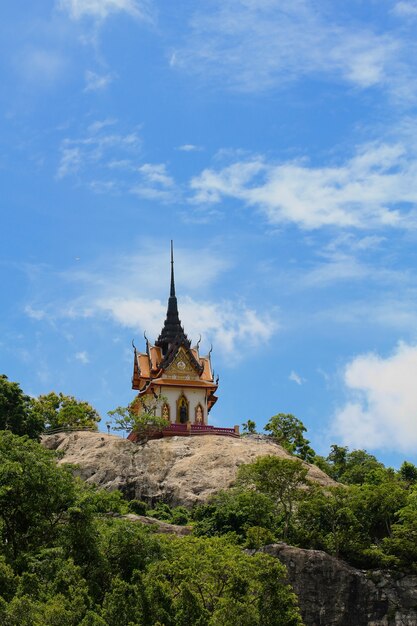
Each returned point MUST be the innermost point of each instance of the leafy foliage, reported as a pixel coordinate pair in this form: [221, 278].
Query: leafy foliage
[249, 427]
[278, 479]
[23, 415]
[288, 431]
[408, 472]
[65, 561]
[214, 582]
[34, 494]
[234, 511]
[178, 515]
[60, 411]
[353, 468]
[140, 417]
[16, 412]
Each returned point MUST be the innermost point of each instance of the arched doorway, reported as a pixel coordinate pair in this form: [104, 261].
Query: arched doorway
[182, 410]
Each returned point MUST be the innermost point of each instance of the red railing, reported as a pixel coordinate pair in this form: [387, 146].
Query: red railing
[176, 428]
[205, 429]
[186, 430]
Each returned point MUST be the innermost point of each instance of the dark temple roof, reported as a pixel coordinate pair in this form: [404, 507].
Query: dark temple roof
[172, 334]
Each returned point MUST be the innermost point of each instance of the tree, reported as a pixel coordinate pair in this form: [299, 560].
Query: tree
[61, 411]
[403, 542]
[356, 467]
[288, 431]
[234, 511]
[129, 547]
[325, 521]
[140, 417]
[35, 494]
[279, 479]
[408, 472]
[16, 413]
[249, 427]
[213, 582]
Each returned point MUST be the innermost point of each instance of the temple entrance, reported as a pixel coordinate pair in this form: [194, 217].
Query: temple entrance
[182, 410]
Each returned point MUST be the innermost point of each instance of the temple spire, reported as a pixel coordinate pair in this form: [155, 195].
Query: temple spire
[172, 292]
[172, 332]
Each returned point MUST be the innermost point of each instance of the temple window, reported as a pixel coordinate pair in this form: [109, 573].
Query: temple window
[199, 414]
[166, 411]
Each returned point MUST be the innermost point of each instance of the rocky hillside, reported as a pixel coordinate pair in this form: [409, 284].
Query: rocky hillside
[331, 593]
[178, 470]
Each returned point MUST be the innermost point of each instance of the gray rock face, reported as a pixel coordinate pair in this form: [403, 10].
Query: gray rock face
[158, 525]
[177, 470]
[331, 593]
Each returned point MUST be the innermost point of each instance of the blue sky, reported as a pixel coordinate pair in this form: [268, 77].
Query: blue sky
[275, 142]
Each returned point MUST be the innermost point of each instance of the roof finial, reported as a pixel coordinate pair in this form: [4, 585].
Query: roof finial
[172, 292]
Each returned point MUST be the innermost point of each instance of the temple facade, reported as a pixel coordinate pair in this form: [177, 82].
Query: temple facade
[174, 370]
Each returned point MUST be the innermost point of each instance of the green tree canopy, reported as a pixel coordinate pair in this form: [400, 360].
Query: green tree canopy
[234, 511]
[140, 417]
[212, 582]
[34, 493]
[279, 479]
[61, 411]
[356, 467]
[249, 427]
[288, 431]
[408, 472]
[16, 412]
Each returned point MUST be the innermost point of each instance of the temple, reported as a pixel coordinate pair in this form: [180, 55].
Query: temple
[173, 369]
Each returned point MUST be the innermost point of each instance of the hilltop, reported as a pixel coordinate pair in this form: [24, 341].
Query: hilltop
[177, 470]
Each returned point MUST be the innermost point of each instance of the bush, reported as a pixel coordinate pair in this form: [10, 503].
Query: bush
[137, 506]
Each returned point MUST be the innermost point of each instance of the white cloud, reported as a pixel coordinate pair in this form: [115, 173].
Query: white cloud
[391, 310]
[117, 276]
[382, 408]
[97, 82]
[156, 183]
[296, 378]
[406, 9]
[228, 325]
[105, 159]
[101, 9]
[105, 292]
[71, 161]
[255, 45]
[156, 173]
[82, 357]
[189, 147]
[364, 191]
[98, 125]
[35, 314]
[41, 66]
[93, 153]
[347, 258]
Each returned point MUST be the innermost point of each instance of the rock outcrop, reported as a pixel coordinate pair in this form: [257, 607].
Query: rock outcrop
[158, 525]
[331, 593]
[177, 470]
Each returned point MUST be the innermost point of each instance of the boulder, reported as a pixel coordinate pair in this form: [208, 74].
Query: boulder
[176, 470]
